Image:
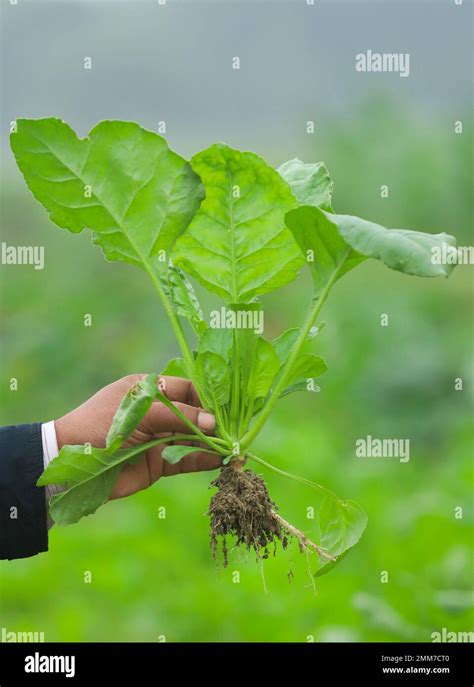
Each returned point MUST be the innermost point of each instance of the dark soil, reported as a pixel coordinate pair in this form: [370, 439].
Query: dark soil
[242, 508]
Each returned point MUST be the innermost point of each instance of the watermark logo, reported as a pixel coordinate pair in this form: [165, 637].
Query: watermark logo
[226, 318]
[22, 255]
[451, 637]
[383, 62]
[9, 636]
[452, 255]
[369, 447]
[38, 663]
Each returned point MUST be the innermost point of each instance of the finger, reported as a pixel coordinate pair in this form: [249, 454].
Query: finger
[161, 419]
[193, 398]
[132, 478]
[155, 463]
[179, 389]
[193, 462]
[176, 389]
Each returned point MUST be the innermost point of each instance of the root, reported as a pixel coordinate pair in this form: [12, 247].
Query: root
[304, 542]
[242, 508]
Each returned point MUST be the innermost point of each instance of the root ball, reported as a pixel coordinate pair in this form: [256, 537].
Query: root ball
[242, 508]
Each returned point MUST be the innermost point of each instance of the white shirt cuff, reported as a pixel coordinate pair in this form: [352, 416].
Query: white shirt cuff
[50, 451]
[50, 442]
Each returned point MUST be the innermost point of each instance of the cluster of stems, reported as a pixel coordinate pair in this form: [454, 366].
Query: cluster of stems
[235, 429]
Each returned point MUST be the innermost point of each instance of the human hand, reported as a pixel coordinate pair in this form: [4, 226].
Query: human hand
[90, 422]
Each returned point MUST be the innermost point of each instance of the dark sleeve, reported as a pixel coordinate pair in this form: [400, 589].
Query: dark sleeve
[23, 523]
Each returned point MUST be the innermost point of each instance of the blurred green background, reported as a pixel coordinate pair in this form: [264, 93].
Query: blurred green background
[155, 578]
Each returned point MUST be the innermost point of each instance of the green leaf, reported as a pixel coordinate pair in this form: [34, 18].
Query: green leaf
[183, 298]
[173, 454]
[258, 405]
[326, 567]
[131, 411]
[403, 250]
[237, 244]
[335, 244]
[248, 324]
[299, 386]
[216, 341]
[284, 343]
[176, 367]
[264, 370]
[326, 252]
[90, 475]
[213, 379]
[342, 524]
[310, 183]
[307, 366]
[122, 182]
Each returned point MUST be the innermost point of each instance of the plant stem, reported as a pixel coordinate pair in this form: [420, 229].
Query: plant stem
[225, 418]
[248, 414]
[242, 413]
[301, 480]
[313, 312]
[222, 442]
[187, 354]
[175, 323]
[202, 437]
[235, 393]
[218, 411]
[140, 448]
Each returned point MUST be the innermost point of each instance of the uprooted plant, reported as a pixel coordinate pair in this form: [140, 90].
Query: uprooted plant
[241, 229]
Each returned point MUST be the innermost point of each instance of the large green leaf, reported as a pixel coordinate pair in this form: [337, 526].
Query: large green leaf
[89, 474]
[403, 250]
[122, 182]
[131, 411]
[342, 524]
[335, 244]
[310, 183]
[237, 245]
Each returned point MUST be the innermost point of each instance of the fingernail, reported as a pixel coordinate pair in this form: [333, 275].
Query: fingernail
[206, 421]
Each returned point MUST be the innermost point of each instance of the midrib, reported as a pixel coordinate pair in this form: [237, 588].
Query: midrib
[102, 202]
[232, 240]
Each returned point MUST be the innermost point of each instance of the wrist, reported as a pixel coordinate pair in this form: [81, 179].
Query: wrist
[62, 432]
